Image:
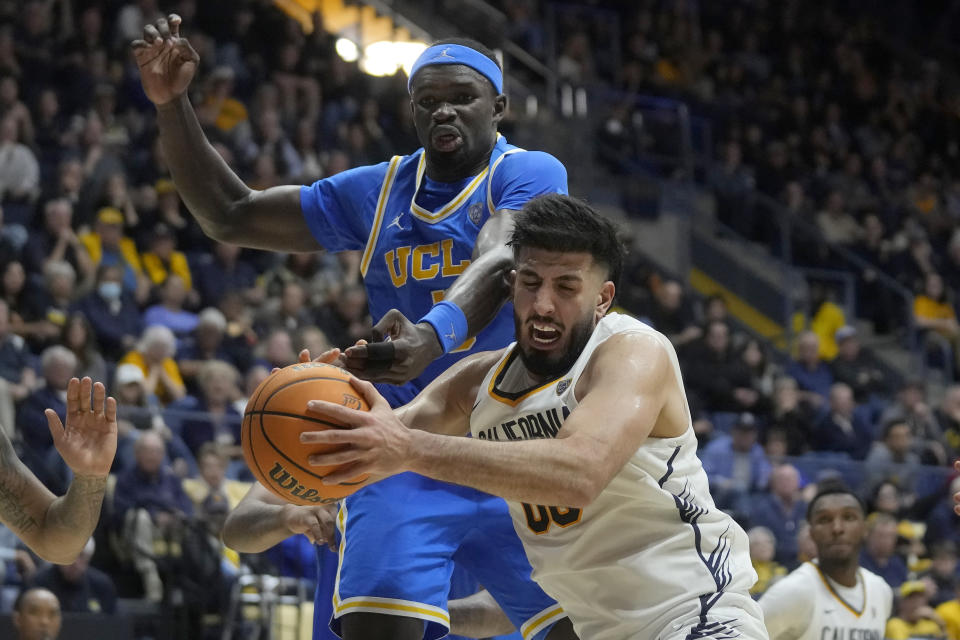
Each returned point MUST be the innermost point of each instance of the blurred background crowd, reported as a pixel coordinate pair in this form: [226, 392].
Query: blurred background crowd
[838, 117]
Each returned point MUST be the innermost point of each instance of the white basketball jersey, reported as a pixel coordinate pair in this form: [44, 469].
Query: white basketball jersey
[807, 605]
[652, 549]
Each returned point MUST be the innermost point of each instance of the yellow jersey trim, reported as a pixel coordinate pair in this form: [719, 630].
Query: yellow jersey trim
[450, 207]
[378, 218]
[537, 623]
[836, 596]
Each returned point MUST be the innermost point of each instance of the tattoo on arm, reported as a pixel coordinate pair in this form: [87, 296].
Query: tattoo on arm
[13, 492]
[79, 509]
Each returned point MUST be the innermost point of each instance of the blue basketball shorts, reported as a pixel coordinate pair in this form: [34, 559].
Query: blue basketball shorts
[399, 539]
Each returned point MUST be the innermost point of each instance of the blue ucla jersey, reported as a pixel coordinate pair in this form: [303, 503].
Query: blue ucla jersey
[417, 235]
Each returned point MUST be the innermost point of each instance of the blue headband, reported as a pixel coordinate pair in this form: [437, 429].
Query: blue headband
[458, 54]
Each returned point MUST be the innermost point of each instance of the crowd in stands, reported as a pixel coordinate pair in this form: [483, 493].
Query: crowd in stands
[104, 273]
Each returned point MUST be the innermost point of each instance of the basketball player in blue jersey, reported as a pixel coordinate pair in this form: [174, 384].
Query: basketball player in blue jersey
[432, 227]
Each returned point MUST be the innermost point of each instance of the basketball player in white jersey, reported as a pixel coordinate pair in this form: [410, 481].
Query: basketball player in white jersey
[583, 426]
[832, 597]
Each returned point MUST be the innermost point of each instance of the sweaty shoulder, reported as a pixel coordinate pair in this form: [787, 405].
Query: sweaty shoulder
[340, 209]
[524, 175]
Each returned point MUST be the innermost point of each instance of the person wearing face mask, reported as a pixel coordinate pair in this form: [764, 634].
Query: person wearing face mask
[112, 314]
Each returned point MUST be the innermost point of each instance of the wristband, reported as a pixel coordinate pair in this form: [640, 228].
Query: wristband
[450, 324]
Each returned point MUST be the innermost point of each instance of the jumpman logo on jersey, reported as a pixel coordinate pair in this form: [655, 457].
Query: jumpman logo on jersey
[396, 222]
[444, 54]
[453, 333]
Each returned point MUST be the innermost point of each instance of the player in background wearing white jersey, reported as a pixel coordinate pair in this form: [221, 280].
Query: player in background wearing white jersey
[832, 597]
[635, 547]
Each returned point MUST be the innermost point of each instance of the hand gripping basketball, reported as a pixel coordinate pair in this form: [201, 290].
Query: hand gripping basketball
[375, 443]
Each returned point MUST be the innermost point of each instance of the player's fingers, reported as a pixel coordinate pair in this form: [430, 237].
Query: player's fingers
[99, 394]
[368, 391]
[174, 21]
[328, 436]
[163, 27]
[956, 465]
[139, 43]
[335, 411]
[333, 458]
[110, 410]
[304, 355]
[150, 34]
[54, 424]
[73, 395]
[330, 356]
[388, 322]
[186, 51]
[85, 387]
[346, 473]
[357, 351]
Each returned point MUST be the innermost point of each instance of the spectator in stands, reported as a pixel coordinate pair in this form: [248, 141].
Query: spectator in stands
[163, 259]
[112, 313]
[277, 350]
[824, 318]
[208, 343]
[58, 365]
[943, 523]
[880, 551]
[763, 372]
[949, 612]
[77, 336]
[36, 615]
[934, 314]
[763, 547]
[948, 419]
[843, 428]
[858, 368]
[874, 301]
[791, 417]
[915, 617]
[57, 241]
[19, 174]
[346, 319]
[732, 184]
[107, 245]
[942, 574]
[149, 503]
[717, 375]
[715, 308]
[811, 373]
[735, 464]
[835, 222]
[887, 497]
[289, 313]
[79, 587]
[893, 457]
[918, 261]
[672, 314]
[135, 403]
[221, 272]
[911, 406]
[17, 377]
[15, 292]
[213, 479]
[782, 510]
[169, 312]
[154, 355]
[210, 416]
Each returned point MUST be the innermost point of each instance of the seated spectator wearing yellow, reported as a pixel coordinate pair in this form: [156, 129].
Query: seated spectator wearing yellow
[154, 356]
[915, 617]
[218, 107]
[949, 612]
[213, 480]
[106, 244]
[763, 546]
[163, 259]
[824, 318]
[932, 310]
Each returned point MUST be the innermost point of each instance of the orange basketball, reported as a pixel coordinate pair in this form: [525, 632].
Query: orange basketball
[275, 417]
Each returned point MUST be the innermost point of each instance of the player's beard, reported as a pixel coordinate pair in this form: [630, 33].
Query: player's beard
[553, 364]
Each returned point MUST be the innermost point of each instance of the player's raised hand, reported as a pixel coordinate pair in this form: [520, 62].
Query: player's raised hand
[317, 522]
[166, 60]
[88, 441]
[408, 350]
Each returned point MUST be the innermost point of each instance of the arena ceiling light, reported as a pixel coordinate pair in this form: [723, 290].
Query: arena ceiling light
[384, 58]
[347, 49]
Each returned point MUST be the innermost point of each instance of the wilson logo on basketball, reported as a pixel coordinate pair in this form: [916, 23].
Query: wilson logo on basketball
[351, 402]
[286, 482]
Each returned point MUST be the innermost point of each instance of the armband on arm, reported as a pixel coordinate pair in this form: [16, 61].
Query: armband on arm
[450, 324]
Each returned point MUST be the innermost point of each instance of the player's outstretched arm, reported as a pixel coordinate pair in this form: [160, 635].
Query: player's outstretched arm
[224, 206]
[478, 293]
[621, 395]
[956, 496]
[58, 528]
[262, 520]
